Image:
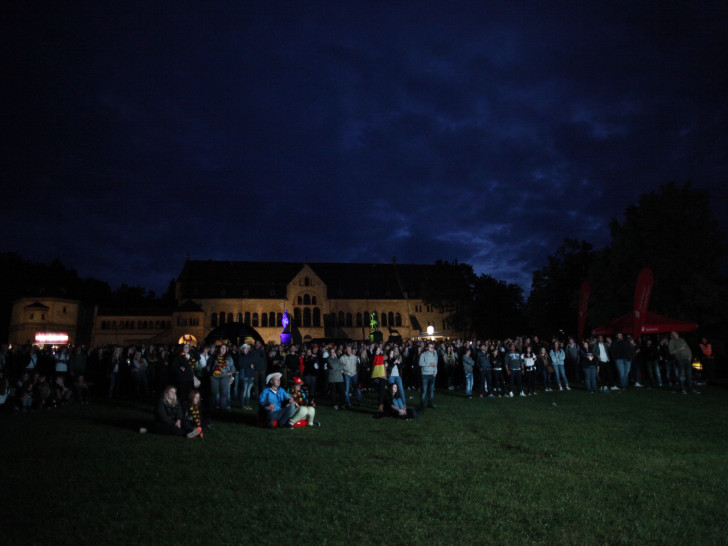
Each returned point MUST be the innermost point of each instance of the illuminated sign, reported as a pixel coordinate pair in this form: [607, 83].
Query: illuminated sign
[48, 337]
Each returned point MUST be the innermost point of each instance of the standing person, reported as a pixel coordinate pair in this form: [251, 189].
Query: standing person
[572, 352]
[428, 369]
[310, 372]
[619, 351]
[514, 369]
[529, 367]
[558, 358]
[499, 381]
[114, 369]
[271, 402]
[468, 366]
[669, 362]
[379, 376]
[351, 377]
[484, 371]
[707, 359]
[450, 359]
[139, 367]
[651, 358]
[183, 370]
[246, 375]
[590, 367]
[291, 365]
[604, 368]
[395, 373]
[221, 377]
[680, 349]
[546, 367]
[260, 360]
[336, 378]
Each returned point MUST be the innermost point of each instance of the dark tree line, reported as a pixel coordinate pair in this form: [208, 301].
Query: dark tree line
[671, 231]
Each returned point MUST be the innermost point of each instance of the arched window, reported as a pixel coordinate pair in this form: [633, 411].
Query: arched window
[358, 320]
[306, 299]
[222, 318]
[306, 317]
[300, 300]
[240, 317]
[255, 320]
[272, 319]
[316, 317]
[398, 320]
[384, 318]
[297, 316]
[279, 319]
[349, 321]
[213, 320]
[307, 281]
[230, 317]
[313, 300]
[390, 318]
[247, 318]
[264, 320]
[342, 319]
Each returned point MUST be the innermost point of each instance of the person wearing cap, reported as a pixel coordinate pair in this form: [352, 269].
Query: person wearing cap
[271, 402]
[304, 410]
[246, 377]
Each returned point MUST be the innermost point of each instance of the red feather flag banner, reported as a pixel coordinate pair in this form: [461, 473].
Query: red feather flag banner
[584, 294]
[642, 293]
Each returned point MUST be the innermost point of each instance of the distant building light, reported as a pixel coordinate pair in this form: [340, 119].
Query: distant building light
[430, 330]
[47, 337]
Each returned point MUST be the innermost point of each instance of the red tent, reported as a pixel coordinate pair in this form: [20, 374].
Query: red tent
[653, 324]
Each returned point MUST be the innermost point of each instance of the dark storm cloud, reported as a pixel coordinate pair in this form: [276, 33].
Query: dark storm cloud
[354, 132]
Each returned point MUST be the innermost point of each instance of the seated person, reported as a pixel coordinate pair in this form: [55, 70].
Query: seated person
[80, 389]
[396, 405]
[169, 416]
[303, 409]
[193, 412]
[271, 402]
[61, 394]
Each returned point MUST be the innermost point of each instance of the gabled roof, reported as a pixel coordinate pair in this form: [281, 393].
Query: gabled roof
[37, 305]
[221, 279]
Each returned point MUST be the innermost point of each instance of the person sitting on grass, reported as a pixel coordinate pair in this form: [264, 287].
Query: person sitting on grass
[304, 410]
[80, 389]
[193, 413]
[271, 402]
[61, 394]
[169, 416]
[396, 406]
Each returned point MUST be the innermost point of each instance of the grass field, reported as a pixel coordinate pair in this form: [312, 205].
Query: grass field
[638, 467]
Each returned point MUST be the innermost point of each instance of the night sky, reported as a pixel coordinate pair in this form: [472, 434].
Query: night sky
[137, 133]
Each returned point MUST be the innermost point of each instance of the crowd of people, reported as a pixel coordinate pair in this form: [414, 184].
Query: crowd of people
[289, 381]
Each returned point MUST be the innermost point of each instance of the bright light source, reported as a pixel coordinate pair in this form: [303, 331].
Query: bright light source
[430, 330]
[47, 337]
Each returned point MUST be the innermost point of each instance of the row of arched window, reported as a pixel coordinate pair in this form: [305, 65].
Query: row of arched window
[255, 320]
[305, 317]
[138, 325]
[363, 319]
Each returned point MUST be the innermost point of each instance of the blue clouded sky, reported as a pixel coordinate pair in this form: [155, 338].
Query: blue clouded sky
[141, 132]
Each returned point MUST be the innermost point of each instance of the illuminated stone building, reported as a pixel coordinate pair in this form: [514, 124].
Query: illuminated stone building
[35, 320]
[324, 300]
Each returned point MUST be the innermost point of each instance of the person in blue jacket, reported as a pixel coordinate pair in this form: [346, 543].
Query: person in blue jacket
[272, 401]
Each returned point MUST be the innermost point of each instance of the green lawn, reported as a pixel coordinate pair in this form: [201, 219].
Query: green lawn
[638, 467]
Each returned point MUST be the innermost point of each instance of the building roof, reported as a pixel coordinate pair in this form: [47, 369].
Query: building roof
[263, 280]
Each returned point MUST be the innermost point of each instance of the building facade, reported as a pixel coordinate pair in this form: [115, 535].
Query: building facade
[323, 300]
